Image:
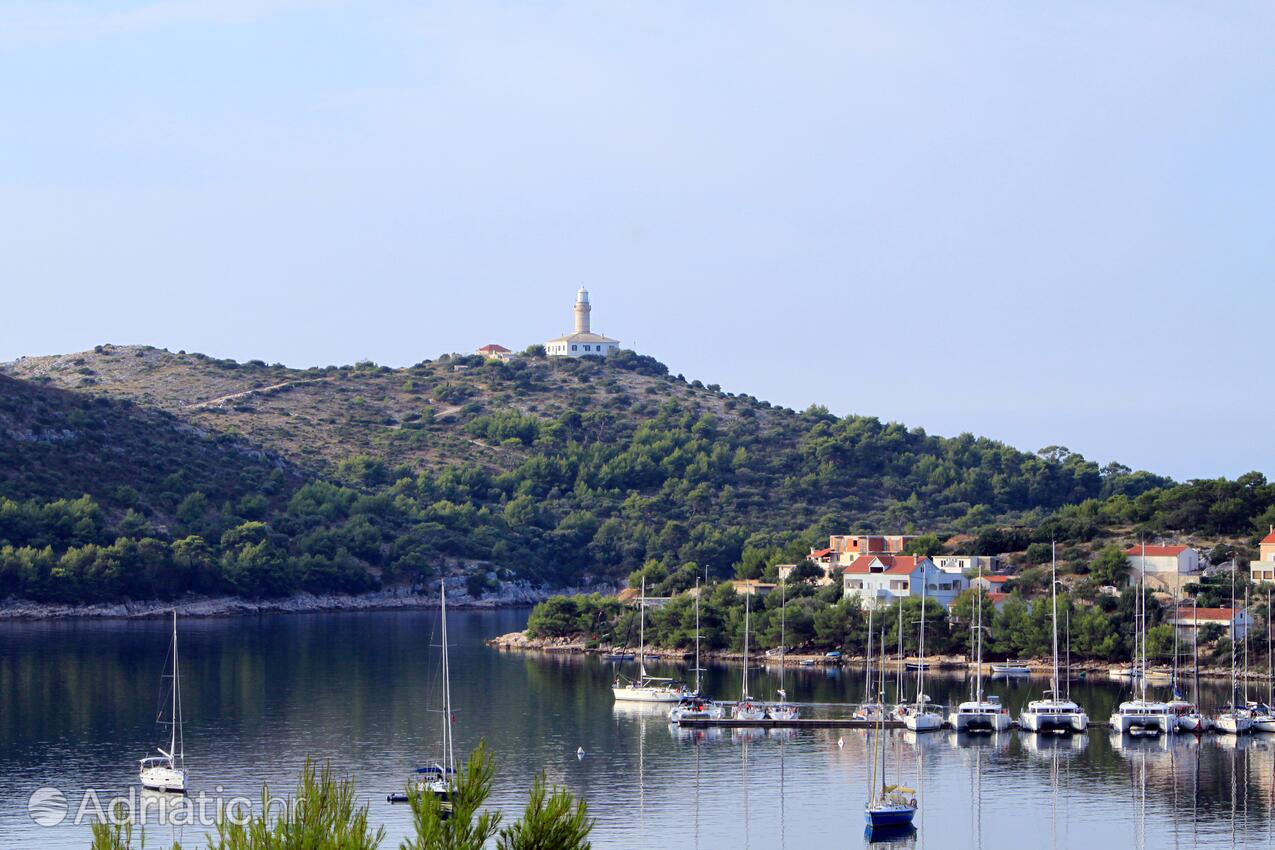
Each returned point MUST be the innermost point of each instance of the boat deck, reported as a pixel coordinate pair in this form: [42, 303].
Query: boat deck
[820, 723]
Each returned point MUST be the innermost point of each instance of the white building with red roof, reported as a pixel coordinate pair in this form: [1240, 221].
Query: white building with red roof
[1190, 619]
[1263, 569]
[494, 351]
[879, 580]
[1162, 560]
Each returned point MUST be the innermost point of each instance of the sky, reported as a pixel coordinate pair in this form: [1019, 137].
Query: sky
[1050, 224]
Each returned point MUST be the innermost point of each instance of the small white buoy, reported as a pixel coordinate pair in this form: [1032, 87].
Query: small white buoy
[841, 742]
[580, 753]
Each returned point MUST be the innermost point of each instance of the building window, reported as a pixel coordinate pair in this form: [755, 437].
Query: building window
[573, 348]
[854, 585]
[586, 348]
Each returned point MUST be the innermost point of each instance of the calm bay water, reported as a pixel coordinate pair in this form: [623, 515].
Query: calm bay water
[78, 705]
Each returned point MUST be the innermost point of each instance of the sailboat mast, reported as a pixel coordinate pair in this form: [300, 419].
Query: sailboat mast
[920, 646]
[1195, 652]
[1270, 667]
[1197, 624]
[1246, 606]
[697, 671]
[744, 682]
[1053, 590]
[1141, 621]
[448, 750]
[642, 631]
[901, 665]
[179, 756]
[867, 670]
[978, 638]
[783, 623]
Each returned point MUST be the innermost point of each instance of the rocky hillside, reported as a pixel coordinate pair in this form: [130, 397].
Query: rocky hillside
[218, 476]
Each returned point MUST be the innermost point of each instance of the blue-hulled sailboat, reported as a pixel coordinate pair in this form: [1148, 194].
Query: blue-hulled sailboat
[890, 807]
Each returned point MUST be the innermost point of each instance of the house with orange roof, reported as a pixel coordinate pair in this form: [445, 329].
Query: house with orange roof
[1263, 569]
[992, 584]
[879, 580]
[492, 351]
[1156, 561]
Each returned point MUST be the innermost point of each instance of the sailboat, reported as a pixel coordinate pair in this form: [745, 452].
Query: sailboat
[167, 771]
[746, 709]
[889, 807]
[871, 710]
[920, 716]
[694, 705]
[1179, 706]
[1232, 719]
[782, 710]
[438, 778]
[1193, 720]
[1263, 713]
[1056, 712]
[646, 688]
[980, 715]
[1141, 716]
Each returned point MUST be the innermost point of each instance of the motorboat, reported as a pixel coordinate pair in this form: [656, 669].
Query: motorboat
[1010, 668]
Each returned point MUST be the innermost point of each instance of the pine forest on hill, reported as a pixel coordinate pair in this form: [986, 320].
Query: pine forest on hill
[130, 472]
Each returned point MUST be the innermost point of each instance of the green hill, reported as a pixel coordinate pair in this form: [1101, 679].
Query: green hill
[260, 479]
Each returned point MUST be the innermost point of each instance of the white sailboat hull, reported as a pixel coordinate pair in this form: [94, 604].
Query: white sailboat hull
[1045, 719]
[638, 693]
[923, 722]
[163, 779]
[1233, 724]
[1194, 723]
[981, 719]
[1150, 718]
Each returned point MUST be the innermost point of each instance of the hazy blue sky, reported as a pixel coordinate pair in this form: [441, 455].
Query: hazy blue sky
[1046, 223]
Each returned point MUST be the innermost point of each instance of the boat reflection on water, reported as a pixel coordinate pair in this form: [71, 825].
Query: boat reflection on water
[1070, 745]
[625, 708]
[890, 836]
[996, 741]
[697, 735]
[1139, 743]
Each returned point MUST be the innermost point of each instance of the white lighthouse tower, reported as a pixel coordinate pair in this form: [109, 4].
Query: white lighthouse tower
[582, 342]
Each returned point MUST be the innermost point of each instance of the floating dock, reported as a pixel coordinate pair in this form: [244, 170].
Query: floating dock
[821, 723]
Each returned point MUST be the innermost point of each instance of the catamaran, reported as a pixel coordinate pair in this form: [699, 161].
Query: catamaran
[746, 709]
[439, 777]
[1142, 716]
[1056, 712]
[979, 714]
[694, 704]
[167, 771]
[920, 715]
[1233, 719]
[646, 688]
[889, 806]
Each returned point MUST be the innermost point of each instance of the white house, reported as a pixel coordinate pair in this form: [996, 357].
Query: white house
[967, 563]
[583, 342]
[494, 351]
[1190, 619]
[881, 579]
[991, 584]
[1174, 560]
[1264, 569]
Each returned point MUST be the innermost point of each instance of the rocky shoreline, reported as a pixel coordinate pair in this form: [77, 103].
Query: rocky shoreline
[510, 595]
[520, 642]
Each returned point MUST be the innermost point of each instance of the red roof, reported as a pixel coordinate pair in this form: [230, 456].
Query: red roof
[495, 349]
[997, 579]
[1157, 552]
[820, 553]
[904, 564]
[1270, 538]
[1218, 614]
[996, 596]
